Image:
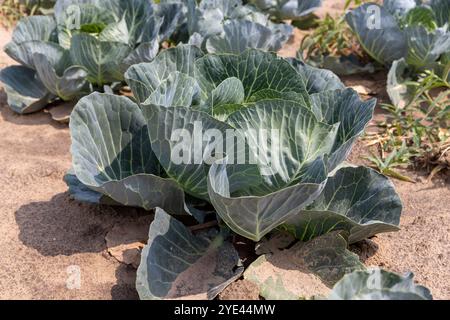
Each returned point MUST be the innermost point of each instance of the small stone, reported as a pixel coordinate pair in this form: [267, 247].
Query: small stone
[363, 90]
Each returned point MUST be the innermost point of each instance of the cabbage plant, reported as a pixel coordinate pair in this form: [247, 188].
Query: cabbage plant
[260, 138]
[407, 35]
[287, 9]
[378, 284]
[219, 26]
[85, 45]
[40, 6]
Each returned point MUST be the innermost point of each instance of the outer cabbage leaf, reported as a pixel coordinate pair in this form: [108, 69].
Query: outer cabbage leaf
[191, 173]
[196, 39]
[288, 9]
[225, 26]
[255, 216]
[134, 22]
[145, 52]
[377, 284]
[33, 34]
[25, 92]
[112, 154]
[399, 92]
[80, 192]
[240, 35]
[172, 16]
[35, 28]
[226, 98]
[297, 272]
[420, 16]
[104, 39]
[357, 200]
[24, 52]
[177, 264]
[400, 8]
[441, 9]
[343, 107]
[254, 202]
[317, 80]
[219, 69]
[66, 8]
[64, 83]
[117, 32]
[424, 48]
[287, 159]
[144, 78]
[204, 22]
[78, 14]
[378, 32]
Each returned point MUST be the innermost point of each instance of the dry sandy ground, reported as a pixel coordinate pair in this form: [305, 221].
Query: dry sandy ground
[422, 246]
[44, 234]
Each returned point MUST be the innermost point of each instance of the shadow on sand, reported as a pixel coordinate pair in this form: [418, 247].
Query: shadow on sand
[62, 226]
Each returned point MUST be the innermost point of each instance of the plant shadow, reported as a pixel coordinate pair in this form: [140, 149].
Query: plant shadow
[66, 227]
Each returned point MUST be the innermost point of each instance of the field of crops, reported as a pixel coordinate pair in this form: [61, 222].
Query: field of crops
[225, 149]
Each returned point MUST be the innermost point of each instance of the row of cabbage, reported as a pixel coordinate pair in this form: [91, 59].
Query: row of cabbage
[218, 76]
[87, 45]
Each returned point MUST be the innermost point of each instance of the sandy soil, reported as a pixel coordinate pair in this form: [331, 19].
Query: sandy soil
[422, 246]
[45, 236]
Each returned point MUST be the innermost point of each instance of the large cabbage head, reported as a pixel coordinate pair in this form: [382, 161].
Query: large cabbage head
[253, 134]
